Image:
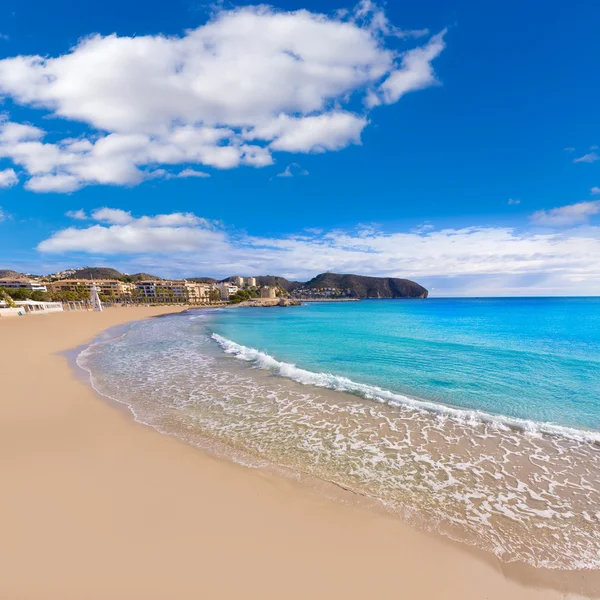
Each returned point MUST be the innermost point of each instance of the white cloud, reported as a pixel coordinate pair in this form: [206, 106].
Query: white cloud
[19, 132]
[329, 131]
[479, 260]
[192, 173]
[176, 232]
[590, 157]
[53, 183]
[569, 149]
[573, 214]
[3, 215]
[595, 190]
[250, 82]
[114, 216]
[8, 178]
[514, 201]
[415, 72]
[292, 170]
[78, 215]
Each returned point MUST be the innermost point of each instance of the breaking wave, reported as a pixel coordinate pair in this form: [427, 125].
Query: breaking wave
[267, 362]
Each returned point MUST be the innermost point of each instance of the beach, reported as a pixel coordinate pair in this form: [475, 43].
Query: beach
[95, 505]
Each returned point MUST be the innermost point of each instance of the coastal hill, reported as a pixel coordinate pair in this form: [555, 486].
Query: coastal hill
[273, 280]
[360, 286]
[369, 287]
[109, 273]
[5, 273]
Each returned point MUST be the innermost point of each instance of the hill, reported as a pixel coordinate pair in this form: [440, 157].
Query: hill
[109, 273]
[203, 280]
[6, 273]
[369, 287]
[282, 282]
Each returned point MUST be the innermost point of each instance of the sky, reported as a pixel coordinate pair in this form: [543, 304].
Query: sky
[450, 142]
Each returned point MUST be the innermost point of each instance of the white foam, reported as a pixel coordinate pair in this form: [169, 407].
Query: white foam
[265, 361]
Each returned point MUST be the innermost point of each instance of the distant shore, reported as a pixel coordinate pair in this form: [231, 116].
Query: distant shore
[96, 506]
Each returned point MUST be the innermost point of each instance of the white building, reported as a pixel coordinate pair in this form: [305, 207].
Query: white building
[226, 289]
[239, 281]
[22, 283]
[147, 288]
[29, 307]
[251, 282]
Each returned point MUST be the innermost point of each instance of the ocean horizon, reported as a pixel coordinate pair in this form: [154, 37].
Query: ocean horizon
[476, 418]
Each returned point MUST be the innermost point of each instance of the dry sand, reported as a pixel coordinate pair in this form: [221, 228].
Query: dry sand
[96, 506]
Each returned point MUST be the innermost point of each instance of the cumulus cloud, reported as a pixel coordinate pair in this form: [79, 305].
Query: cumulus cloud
[117, 231]
[573, 214]
[251, 82]
[590, 157]
[8, 178]
[595, 190]
[184, 244]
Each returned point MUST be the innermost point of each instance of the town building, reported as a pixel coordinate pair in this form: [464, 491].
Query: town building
[165, 291]
[107, 287]
[251, 282]
[22, 283]
[238, 281]
[226, 289]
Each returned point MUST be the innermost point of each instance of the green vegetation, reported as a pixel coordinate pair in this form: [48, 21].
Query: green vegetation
[4, 295]
[243, 295]
[25, 295]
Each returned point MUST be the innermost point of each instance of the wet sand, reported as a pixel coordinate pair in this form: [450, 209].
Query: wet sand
[96, 506]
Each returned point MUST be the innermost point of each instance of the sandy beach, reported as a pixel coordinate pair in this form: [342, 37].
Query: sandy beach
[96, 506]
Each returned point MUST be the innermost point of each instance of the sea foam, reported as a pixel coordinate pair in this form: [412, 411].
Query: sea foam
[265, 361]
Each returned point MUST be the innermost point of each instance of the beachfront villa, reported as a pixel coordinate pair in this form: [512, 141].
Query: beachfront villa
[22, 283]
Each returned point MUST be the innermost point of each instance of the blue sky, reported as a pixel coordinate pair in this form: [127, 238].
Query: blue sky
[449, 142]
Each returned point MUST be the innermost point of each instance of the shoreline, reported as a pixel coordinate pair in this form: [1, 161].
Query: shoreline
[97, 505]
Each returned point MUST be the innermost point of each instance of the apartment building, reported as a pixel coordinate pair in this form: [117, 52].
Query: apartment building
[107, 287]
[22, 283]
[226, 289]
[164, 291]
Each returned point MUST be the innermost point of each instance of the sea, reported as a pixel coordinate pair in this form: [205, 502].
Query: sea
[477, 419]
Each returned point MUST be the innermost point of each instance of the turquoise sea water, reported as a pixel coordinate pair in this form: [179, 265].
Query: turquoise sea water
[476, 419]
[532, 358]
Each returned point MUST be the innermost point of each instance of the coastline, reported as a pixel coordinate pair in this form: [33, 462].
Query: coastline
[96, 505]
